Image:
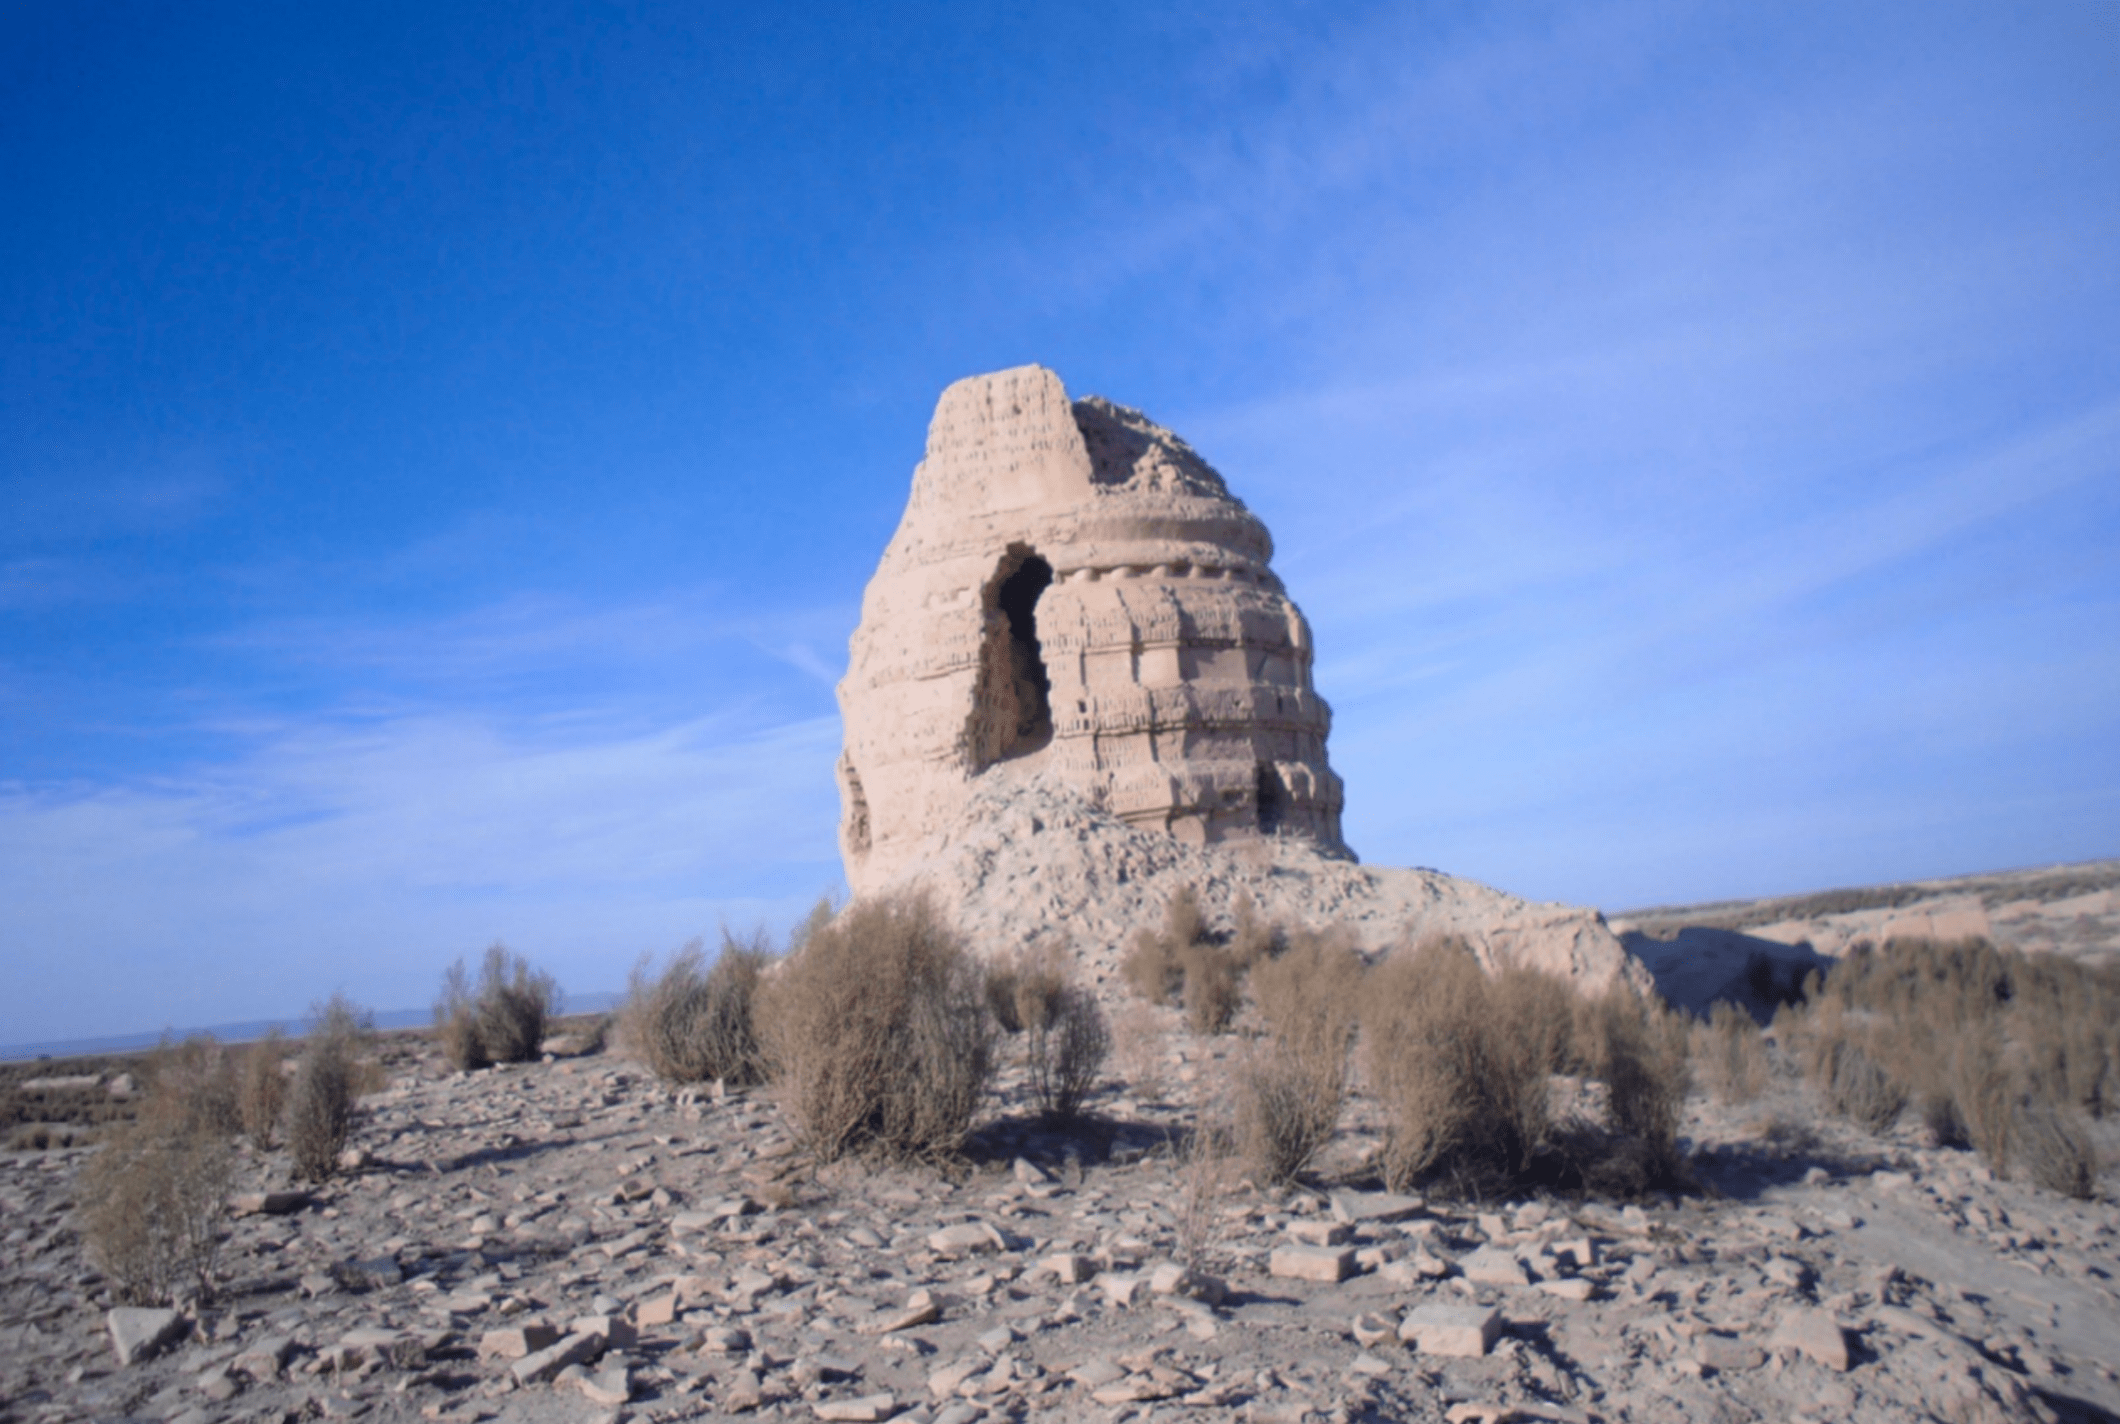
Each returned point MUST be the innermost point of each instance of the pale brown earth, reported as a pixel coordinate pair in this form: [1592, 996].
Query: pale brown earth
[1030, 859]
[580, 1187]
[1698, 953]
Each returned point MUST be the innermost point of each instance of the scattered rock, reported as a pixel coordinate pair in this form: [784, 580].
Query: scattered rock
[1311, 1263]
[141, 1332]
[1495, 1268]
[267, 1203]
[1451, 1330]
[967, 1238]
[610, 1385]
[545, 1364]
[1814, 1333]
[1359, 1208]
[514, 1342]
[921, 1308]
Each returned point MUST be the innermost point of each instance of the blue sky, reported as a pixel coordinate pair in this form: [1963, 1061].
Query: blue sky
[442, 447]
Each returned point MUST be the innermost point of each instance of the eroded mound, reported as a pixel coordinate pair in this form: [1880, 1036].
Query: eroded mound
[1031, 858]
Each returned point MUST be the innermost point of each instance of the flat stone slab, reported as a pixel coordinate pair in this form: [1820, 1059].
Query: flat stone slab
[1356, 1208]
[516, 1341]
[546, 1364]
[1463, 1331]
[867, 1407]
[967, 1238]
[1495, 1268]
[139, 1332]
[1813, 1333]
[1312, 1263]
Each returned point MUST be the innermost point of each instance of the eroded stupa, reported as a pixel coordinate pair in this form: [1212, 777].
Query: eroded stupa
[1074, 594]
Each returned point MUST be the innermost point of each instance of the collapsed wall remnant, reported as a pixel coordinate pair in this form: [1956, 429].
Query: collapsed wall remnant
[1074, 593]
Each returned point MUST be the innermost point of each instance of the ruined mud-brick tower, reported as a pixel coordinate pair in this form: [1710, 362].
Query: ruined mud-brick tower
[1073, 590]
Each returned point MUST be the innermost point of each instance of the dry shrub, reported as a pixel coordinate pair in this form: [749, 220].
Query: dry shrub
[877, 1032]
[327, 1079]
[1214, 987]
[1460, 1062]
[1024, 989]
[456, 1021]
[1067, 1047]
[1139, 1050]
[1151, 965]
[151, 1206]
[152, 1201]
[1287, 1105]
[1251, 939]
[500, 1019]
[1638, 1049]
[261, 1089]
[2006, 1051]
[1201, 1171]
[1732, 1054]
[695, 1024]
[1066, 1038]
[1975, 1090]
[1185, 963]
[2055, 1151]
[1310, 993]
[191, 1086]
[1289, 1093]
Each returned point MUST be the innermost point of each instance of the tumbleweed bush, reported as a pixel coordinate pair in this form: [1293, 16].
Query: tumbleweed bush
[695, 1022]
[877, 1032]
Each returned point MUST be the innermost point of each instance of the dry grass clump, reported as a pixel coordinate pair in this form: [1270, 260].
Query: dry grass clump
[1287, 1105]
[1290, 1091]
[501, 1018]
[1186, 963]
[2004, 1052]
[193, 1083]
[694, 1023]
[1462, 1062]
[1201, 1173]
[327, 1080]
[1025, 987]
[877, 1032]
[261, 1089]
[151, 1204]
[1140, 1051]
[1066, 1039]
[1066, 1049]
[1310, 993]
[1638, 1049]
[1732, 1054]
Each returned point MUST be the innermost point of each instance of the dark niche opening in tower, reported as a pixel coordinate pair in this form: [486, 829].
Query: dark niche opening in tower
[1014, 711]
[1271, 797]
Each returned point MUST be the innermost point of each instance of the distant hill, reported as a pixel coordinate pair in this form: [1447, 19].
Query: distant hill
[254, 1028]
[1700, 953]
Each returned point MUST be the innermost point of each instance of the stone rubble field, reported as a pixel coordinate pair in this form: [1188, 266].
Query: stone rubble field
[574, 1242]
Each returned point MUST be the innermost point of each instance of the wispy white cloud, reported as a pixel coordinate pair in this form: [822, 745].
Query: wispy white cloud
[365, 856]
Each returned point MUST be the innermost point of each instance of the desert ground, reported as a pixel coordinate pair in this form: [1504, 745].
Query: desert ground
[573, 1240]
